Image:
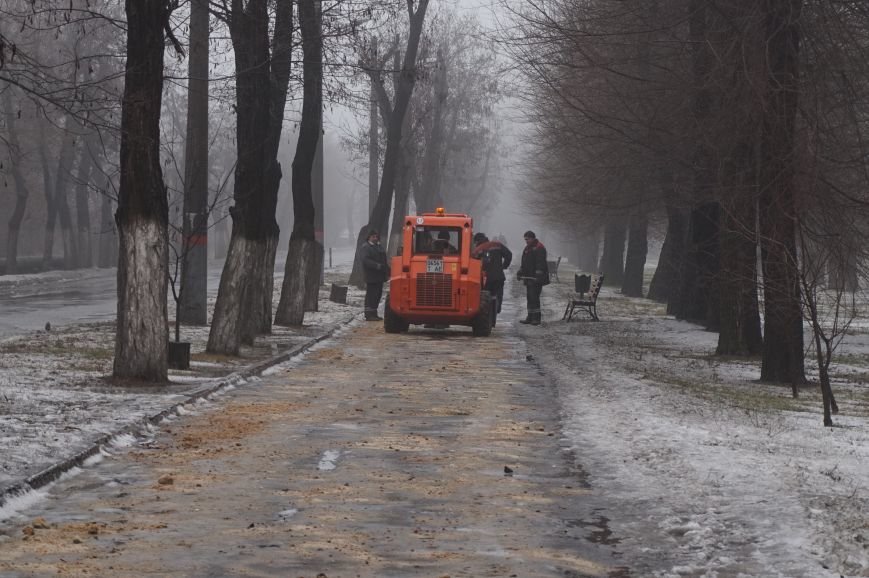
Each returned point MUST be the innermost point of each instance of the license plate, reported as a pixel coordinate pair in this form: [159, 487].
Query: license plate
[434, 266]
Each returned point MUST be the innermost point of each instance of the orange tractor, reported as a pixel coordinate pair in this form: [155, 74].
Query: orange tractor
[435, 280]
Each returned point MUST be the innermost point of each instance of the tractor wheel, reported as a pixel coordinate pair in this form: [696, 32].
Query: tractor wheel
[392, 322]
[482, 324]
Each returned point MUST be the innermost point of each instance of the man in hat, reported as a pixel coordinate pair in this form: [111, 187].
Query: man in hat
[375, 266]
[534, 272]
[496, 257]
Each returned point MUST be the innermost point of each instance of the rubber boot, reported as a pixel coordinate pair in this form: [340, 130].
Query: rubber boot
[535, 319]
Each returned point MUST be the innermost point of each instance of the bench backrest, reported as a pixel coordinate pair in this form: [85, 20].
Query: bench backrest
[598, 283]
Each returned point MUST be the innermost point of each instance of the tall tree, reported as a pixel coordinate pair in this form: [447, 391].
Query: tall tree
[194, 266]
[142, 333]
[379, 218]
[373, 141]
[783, 358]
[22, 192]
[244, 299]
[302, 253]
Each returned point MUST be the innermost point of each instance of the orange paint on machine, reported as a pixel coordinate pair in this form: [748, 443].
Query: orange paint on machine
[435, 280]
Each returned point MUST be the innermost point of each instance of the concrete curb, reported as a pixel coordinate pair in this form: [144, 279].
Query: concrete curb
[52, 473]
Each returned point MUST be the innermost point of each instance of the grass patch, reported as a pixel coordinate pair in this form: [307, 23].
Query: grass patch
[759, 399]
[859, 359]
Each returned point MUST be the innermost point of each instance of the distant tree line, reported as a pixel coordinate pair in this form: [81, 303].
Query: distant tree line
[733, 129]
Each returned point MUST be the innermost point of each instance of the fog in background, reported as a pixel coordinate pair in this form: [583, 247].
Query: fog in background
[345, 178]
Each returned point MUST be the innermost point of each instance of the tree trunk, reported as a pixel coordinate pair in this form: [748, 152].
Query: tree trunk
[291, 308]
[635, 261]
[698, 292]
[108, 240]
[226, 325]
[60, 203]
[84, 258]
[403, 182]
[380, 215]
[373, 146]
[664, 287]
[612, 262]
[739, 331]
[783, 358]
[21, 191]
[142, 333]
[312, 287]
[50, 205]
[299, 269]
[68, 234]
[698, 288]
[402, 193]
[431, 181]
[193, 307]
[244, 298]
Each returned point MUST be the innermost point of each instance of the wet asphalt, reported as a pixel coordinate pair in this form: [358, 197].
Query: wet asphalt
[427, 454]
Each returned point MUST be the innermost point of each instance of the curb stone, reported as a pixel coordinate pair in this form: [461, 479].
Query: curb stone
[53, 472]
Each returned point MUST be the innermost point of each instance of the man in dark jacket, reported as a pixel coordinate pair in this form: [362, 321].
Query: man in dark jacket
[534, 272]
[495, 257]
[376, 269]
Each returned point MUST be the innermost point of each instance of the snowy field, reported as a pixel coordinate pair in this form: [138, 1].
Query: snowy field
[716, 474]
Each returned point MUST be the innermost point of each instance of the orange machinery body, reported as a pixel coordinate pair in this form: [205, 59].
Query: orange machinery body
[427, 287]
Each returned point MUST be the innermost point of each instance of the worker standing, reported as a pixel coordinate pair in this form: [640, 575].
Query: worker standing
[376, 269]
[495, 257]
[534, 272]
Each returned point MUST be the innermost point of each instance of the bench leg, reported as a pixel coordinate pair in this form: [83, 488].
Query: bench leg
[570, 309]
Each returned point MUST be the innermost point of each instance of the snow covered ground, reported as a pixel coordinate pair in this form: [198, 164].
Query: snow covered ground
[55, 399]
[715, 473]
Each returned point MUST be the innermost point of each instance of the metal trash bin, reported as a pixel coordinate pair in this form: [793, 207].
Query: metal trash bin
[581, 283]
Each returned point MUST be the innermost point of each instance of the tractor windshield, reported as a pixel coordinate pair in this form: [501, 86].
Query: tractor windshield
[437, 240]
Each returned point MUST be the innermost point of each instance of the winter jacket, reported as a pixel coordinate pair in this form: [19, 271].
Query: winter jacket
[374, 263]
[534, 263]
[496, 257]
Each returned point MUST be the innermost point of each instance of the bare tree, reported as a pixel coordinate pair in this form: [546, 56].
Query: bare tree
[303, 260]
[22, 191]
[194, 267]
[379, 218]
[244, 300]
[142, 324]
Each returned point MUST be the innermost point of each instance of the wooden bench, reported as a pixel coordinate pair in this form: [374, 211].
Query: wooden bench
[553, 268]
[583, 284]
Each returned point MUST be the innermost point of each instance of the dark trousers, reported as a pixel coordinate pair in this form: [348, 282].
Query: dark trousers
[496, 289]
[532, 295]
[373, 293]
